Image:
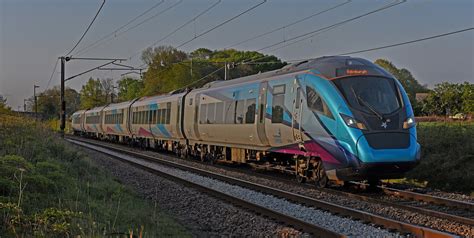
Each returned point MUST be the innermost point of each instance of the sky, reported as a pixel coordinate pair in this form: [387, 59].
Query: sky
[34, 33]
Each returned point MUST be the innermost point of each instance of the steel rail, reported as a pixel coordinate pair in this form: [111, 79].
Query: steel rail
[425, 198]
[402, 227]
[296, 223]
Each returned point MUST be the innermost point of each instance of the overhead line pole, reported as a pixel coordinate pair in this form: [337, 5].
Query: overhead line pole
[64, 79]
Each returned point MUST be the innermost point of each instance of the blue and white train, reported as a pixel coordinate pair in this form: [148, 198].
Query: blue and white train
[332, 118]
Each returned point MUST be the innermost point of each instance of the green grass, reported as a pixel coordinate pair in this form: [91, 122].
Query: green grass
[48, 189]
[447, 160]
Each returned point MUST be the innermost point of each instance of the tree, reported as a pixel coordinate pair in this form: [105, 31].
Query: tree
[129, 88]
[171, 69]
[107, 88]
[449, 97]
[92, 94]
[49, 102]
[3, 105]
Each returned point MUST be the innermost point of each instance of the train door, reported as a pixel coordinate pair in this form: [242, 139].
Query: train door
[262, 99]
[296, 112]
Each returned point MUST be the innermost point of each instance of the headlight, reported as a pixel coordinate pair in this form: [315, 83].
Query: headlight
[351, 122]
[409, 123]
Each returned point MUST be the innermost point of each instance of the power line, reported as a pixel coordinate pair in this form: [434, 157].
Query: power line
[204, 77]
[409, 42]
[390, 5]
[180, 27]
[290, 24]
[121, 27]
[136, 25]
[88, 27]
[52, 74]
[221, 24]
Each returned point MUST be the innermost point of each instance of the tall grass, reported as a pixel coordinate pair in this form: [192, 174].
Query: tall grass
[49, 189]
[447, 156]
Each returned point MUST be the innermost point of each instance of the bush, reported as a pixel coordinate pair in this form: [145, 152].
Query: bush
[48, 189]
[447, 156]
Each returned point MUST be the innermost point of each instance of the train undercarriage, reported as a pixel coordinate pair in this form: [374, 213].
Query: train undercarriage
[305, 169]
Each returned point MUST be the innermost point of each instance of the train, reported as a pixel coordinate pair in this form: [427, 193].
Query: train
[328, 119]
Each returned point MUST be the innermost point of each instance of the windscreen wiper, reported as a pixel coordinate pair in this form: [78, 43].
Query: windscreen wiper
[366, 104]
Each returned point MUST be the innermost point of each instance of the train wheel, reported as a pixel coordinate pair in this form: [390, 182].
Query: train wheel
[300, 179]
[373, 183]
[319, 174]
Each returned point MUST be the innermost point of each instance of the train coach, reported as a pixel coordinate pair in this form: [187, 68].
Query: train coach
[332, 118]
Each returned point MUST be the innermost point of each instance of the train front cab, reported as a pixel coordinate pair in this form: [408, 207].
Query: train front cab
[379, 123]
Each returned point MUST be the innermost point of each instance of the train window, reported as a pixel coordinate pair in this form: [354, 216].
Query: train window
[168, 115]
[277, 108]
[229, 112]
[190, 102]
[211, 113]
[279, 89]
[219, 112]
[163, 116]
[202, 114]
[158, 116]
[239, 112]
[316, 103]
[250, 114]
[298, 98]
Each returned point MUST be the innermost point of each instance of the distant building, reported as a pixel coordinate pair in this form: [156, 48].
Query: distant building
[421, 96]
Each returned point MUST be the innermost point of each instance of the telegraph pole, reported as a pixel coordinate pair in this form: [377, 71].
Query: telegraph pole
[36, 101]
[225, 70]
[64, 79]
[63, 102]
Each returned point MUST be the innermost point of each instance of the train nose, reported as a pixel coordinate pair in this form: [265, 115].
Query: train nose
[387, 148]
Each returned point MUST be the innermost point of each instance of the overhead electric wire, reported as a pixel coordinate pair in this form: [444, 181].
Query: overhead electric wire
[88, 27]
[409, 42]
[204, 77]
[136, 25]
[121, 27]
[390, 5]
[52, 74]
[290, 24]
[180, 27]
[221, 24]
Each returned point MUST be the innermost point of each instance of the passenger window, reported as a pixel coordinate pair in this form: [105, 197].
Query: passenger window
[219, 113]
[229, 112]
[158, 116]
[316, 103]
[250, 114]
[211, 108]
[278, 103]
[168, 112]
[202, 114]
[168, 115]
[239, 112]
[163, 116]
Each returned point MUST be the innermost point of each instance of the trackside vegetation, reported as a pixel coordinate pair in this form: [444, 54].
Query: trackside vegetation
[447, 156]
[49, 189]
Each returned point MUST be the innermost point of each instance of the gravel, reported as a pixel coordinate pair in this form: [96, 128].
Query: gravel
[338, 224]
[389, 212]
[202, 215]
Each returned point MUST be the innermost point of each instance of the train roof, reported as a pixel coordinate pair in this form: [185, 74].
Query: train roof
[326, 66]
[119, 105]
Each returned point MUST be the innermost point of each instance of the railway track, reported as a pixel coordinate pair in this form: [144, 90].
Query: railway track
[387, 223]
